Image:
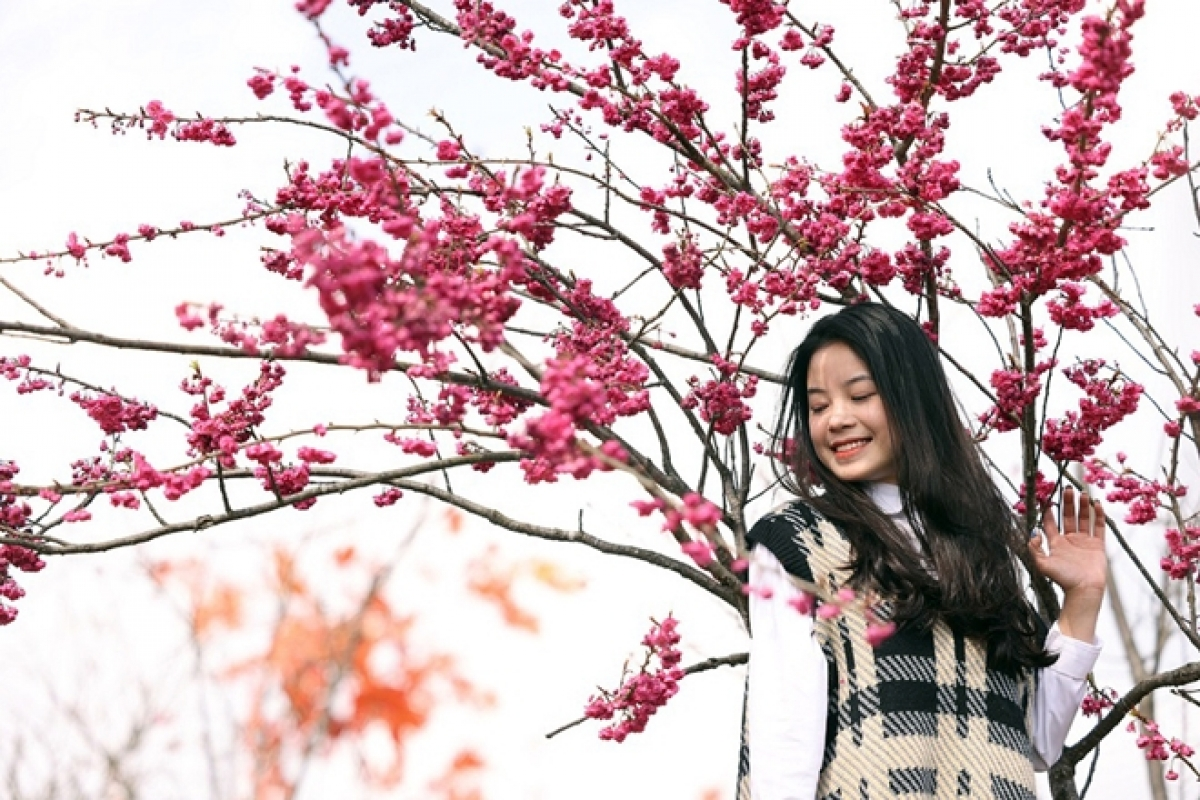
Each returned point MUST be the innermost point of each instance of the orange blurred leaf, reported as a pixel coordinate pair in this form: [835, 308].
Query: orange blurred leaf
[208, 604]
[222, 605]
[553, 575]
[344, 555]
[494, 583]
[286, 577]
[460, 781]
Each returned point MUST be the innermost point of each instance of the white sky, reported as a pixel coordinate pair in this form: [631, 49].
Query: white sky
[58, 177]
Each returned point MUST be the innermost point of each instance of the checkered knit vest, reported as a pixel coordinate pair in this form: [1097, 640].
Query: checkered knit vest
[920, 716]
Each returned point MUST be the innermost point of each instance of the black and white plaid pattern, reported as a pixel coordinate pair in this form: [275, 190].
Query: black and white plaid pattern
[1007, 790]
[921, 781]
[922, 715]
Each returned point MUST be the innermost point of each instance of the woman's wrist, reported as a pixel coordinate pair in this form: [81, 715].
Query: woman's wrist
[1080, 610]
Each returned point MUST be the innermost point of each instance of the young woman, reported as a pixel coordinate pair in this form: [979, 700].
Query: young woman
[971, 693]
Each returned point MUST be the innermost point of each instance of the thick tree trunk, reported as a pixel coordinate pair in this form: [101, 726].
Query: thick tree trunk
[1062, 782]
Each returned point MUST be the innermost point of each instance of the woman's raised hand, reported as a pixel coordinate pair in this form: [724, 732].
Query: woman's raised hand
[1074, 557]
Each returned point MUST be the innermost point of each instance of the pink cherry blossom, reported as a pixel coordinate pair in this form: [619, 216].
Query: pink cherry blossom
[644, 692]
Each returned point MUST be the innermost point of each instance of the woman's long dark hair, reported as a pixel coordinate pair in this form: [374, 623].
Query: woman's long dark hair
[971, 537]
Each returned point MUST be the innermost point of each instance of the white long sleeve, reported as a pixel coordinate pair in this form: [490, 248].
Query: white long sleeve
[1060, 690]
[789, 683]
[788, 688]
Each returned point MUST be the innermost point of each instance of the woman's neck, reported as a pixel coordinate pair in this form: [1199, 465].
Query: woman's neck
[886, 497]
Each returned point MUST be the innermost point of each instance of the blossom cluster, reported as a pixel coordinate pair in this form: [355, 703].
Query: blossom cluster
[594, 378]
[282, 480]
[14, 518]
[1016, 390]
[379, 305]
[527, 205]
[221, 432]
[14, 557]
[683, 264]
[123, 475]
[20, 370]
[1143, 497]
[496, 406]
[1183, 553]
[357, 111]
[158, 120]
[391, 31]
[276, 336]
[115, 414]
[1097, 701]
[722, 402]
[642, 694]
[1156, 747]
[1107, 401]
[576, 396]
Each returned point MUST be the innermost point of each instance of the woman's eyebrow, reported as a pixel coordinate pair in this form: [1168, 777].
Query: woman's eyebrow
[849, 382]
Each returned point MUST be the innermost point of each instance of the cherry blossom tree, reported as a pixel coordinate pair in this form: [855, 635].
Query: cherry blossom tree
[597, 314]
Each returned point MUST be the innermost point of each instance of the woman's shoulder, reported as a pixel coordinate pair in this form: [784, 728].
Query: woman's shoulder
[786, 520]
[792, 532]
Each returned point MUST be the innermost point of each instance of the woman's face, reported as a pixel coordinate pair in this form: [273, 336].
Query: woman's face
[846, 417]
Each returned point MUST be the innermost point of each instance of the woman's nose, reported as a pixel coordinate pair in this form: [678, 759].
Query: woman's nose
[839, 417]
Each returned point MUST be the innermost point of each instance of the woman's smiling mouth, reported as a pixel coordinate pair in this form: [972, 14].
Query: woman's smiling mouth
[846, 450]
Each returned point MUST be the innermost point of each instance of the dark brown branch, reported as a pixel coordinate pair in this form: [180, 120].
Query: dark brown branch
[652, 557]
[692, 355]
[1154, 587]
[1180, 676]
[33, 303]
[74, 335]
[204, 522]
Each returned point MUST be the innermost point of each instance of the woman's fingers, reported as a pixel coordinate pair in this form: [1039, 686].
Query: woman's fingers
[1098, 525]
[1035, 544]
[1049, 526]
[1083, 516]
[1088, 520]
[1070, 523]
